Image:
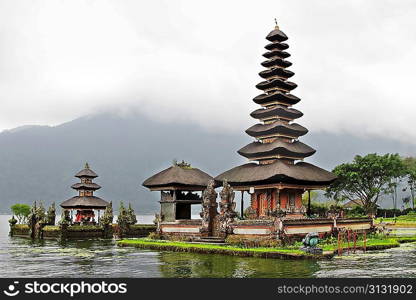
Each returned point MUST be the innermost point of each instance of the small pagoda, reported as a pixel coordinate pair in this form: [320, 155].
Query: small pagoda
[85, 203]
[276, 177]
[179, 186]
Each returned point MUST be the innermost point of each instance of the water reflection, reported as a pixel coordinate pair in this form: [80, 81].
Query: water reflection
[20, 257]
[186, 265]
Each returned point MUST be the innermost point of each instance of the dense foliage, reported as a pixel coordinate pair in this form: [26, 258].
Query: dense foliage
[21, 211]
[410, 175]
[366, 178]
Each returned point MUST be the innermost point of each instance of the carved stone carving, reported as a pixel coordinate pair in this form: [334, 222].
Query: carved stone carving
[209, 208]
[227, 208]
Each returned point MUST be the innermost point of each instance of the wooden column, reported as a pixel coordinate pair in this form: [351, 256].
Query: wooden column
[308, 212]
[242, 205]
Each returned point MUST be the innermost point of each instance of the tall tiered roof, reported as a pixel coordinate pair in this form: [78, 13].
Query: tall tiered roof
[85, 188]
[277, 147]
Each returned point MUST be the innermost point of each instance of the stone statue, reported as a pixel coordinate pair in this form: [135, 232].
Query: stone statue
[157, 221]
[209, 208]
[36, 217]
[227, 208]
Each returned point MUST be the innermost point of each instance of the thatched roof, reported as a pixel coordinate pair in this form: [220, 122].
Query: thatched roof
[278, 147]
[273, 53]
[277, 172]
[277, 127]
[276, 96]
[276, 35]
[179, 177]
[276, 72]
[278, 111]
[276, 62]
[353, 203]
[92, 202]
[86, 186]
[86, 172]
[278, 46]
[276, 83]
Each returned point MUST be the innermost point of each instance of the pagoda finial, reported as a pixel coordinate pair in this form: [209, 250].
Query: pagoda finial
[87, 166]
[276, 26]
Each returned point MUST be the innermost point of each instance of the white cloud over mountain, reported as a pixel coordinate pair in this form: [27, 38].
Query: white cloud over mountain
[198, 61]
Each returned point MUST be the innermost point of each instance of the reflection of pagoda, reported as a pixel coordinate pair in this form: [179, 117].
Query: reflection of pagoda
[276, 181]
[85, 202]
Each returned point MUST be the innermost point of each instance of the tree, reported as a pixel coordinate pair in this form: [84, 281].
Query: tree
[367, 177]
[314, 197]
[410, 173]
[21, 211]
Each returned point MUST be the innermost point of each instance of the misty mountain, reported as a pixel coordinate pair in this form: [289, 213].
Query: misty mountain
[39, 162]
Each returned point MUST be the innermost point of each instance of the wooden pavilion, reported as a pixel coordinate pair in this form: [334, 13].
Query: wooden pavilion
[179, 186]
[85, 202]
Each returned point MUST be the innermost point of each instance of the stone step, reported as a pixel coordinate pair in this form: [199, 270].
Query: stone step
[211, 237]
[212, 240]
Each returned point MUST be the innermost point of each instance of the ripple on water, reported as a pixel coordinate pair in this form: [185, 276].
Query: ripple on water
[394, 262]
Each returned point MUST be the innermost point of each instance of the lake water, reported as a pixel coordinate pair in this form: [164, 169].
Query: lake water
[20, 257]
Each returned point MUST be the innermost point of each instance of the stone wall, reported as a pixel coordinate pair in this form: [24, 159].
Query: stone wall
[82, 231]
[20, 230]
[181, 228]
[139, 230]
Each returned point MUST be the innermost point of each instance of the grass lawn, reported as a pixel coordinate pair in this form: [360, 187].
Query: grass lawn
[216, 249]
[292, 251]
[409, 219]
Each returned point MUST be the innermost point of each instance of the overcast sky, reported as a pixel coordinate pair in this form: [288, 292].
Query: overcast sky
[199, 61]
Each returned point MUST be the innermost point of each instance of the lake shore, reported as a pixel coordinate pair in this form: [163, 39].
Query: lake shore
[329, 250]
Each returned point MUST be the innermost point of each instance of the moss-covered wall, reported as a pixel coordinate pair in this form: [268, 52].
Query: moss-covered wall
[140, 230]
[20, 230]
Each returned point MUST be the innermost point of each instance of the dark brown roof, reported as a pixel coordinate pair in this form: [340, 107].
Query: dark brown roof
[276, 72]
[278, 46]
[278, 111]
[276, 62]
[92, 202]
[178, 176]
[276, 35]
[276, 96]
[277, 53]
[87, 186]
[296, 149]
[277, 172]
[277, 127]
[87, 172]
[353, 203]
[276, 83]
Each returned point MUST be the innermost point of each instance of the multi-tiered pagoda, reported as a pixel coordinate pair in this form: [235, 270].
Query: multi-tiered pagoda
[277, 176]
[85, 202]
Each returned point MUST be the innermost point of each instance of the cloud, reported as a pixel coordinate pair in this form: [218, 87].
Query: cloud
[198, 61]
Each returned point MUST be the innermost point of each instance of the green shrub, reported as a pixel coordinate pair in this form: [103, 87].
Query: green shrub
[84, 228]
[154, 236]
[142, 226]
[51, 228]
